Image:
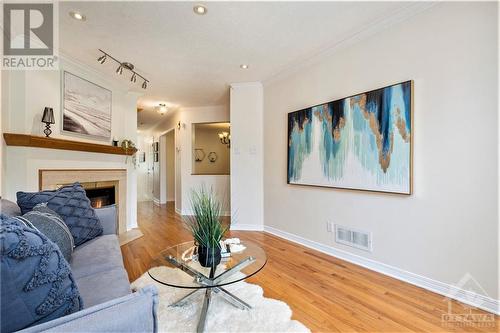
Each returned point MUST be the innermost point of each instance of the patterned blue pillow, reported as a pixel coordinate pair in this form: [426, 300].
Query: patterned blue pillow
[37, 285]
[49, 223]
[72, 204]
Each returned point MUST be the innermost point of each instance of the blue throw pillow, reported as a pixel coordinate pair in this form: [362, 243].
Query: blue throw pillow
[72, 204]
[37, 285]
[9, 208]
[49, 223]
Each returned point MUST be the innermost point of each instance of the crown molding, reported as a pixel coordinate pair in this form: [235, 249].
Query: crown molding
[396, 17]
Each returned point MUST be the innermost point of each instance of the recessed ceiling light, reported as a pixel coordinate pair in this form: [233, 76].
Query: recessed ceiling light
[244, 66]
[77, 16]
[200, 10]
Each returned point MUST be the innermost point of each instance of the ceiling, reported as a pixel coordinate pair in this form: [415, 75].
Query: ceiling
[191, 59]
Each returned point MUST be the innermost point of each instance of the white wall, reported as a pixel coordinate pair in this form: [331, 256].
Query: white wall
[247, 193]
[185, 180]
[144, 170]
[166, 126]
[166, 180]
[162, 172]
[24, 96]
[219, 183]
[170, 165]
[449, 226]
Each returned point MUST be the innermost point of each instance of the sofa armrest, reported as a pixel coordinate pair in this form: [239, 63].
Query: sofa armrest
[108, 217]
[132, 313]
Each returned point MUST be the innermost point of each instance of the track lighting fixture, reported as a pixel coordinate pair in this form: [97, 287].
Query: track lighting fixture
[123, 65]
[102, 59]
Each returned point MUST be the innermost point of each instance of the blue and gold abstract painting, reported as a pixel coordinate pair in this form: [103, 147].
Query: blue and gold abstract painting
[360, 142]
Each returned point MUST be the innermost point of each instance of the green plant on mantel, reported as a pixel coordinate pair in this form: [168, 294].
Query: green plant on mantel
[126, 145]
[206, 225]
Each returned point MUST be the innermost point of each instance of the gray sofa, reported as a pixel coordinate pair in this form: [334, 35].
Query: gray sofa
[109, 304]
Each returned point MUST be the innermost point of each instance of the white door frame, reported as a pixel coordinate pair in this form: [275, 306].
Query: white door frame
[163, 184]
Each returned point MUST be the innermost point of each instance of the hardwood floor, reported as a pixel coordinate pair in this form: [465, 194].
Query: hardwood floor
[326, 294]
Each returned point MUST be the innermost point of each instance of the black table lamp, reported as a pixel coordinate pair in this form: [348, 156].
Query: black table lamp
[48, 118]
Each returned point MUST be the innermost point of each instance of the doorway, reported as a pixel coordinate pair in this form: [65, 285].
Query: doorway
[170, 166]
[167, 167]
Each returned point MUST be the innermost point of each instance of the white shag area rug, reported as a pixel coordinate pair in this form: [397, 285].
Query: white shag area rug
[266, 315]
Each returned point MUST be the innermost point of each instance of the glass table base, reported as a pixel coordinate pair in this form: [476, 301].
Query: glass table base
[178, 267]
[211, 286]
[228, 297]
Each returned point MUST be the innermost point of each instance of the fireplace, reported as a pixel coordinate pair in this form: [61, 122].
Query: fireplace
[100, 197]
[103, 187]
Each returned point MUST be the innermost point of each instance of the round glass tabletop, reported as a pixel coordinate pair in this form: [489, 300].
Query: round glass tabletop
[178, 266]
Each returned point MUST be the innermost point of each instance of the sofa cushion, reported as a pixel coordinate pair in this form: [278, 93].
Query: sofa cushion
[98, 255]
[37, 285]
[9, 208]
[72, 204]
[108, 217]
[133, 313]
[103, 286]
[51, 225]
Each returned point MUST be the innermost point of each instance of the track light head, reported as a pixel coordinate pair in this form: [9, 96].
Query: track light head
[121, 66]
[102, 59]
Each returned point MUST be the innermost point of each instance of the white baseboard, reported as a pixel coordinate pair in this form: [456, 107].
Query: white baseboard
[477, 300]
[247, 227]
[178, 211]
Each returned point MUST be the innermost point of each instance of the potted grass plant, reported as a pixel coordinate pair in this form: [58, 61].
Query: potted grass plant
[206, 226]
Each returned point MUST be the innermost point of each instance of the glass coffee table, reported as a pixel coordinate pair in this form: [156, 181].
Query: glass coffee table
[189, 274]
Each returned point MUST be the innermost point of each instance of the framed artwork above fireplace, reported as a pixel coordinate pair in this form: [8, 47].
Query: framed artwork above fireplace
[86, 107]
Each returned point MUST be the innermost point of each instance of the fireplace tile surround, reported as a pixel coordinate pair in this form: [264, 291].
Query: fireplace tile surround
[51, 179]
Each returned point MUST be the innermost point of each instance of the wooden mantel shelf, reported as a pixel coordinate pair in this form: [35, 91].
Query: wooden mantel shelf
[25, 140]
